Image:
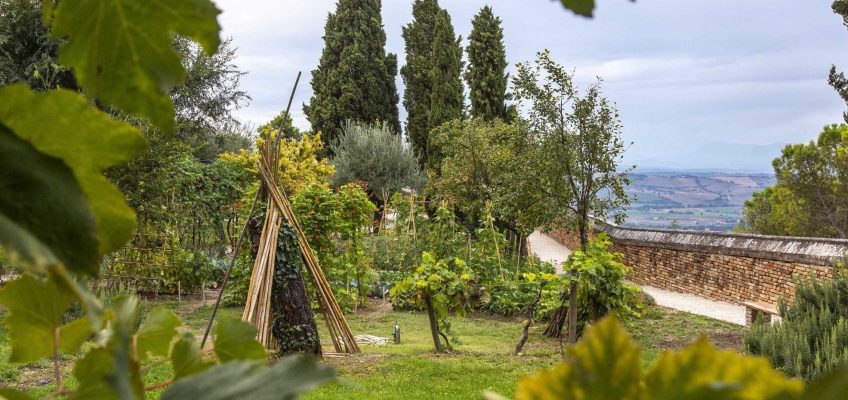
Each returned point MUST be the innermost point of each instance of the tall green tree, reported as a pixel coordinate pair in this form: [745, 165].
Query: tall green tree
[446, 100]
[576, 150]
[810, 197]
[28, 53]
[355, 79]
[486, 74]
[417, 73]
[837, 79]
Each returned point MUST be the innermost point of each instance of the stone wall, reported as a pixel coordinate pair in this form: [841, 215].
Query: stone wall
[721, 266]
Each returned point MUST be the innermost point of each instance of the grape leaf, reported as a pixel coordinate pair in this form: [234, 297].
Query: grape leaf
[122, 51]
[702, 372]
[88, 142]
[604, 364]
[95, 374]
[36, 307]
[44, 216]
[580, 7]
[186, 358]
[252, 380]
[156, 333]
[12, 394]
[236, 340]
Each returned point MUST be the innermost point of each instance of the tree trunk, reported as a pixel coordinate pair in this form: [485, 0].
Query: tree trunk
[293, 324]
[434, 325]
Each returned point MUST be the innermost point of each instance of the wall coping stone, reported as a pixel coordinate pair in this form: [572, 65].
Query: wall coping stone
[815, 251]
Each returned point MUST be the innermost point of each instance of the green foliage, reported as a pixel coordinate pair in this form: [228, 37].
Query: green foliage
[809, 196]
[447, 284]
[812, 338]
[131, 70]
[355, 78]
[580, 7]
[122, 53]
[479, 163]
[602, 281]
[234, 341]
[334, 223]
[36, 308]
[486, 73]
[837, 80]
[88, 142]
[574, 145]
[417, 76]
[377, 157]
[244, 379]
[28, 52]
[446, 99]
[605, 364]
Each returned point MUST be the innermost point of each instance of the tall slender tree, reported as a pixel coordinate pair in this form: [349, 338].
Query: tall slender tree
[446, 100]
[417, 73]
[355, 79]
[486, 74]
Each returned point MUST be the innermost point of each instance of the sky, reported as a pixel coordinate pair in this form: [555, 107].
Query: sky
[699, 84]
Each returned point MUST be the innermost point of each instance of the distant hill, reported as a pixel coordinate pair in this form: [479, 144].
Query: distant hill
[702, 201]
[717, 157]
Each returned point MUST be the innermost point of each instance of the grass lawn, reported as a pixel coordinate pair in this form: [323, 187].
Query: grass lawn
[482, 361]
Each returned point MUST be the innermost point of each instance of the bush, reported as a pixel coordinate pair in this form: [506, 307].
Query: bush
[812, 339]
[376, 156]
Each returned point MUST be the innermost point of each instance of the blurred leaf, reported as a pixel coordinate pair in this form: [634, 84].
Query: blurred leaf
[156, 333]
[122, 51]
[832, 386]
[36, 307]
[252, 380]
[236, 340]
[186, 358]
[88, 142]
[580, 7]
[12, 394]
[702, 372]
[604, 364]
[95, 374]
[44, 216]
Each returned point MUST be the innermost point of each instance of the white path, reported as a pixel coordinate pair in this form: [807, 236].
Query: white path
[547, 249]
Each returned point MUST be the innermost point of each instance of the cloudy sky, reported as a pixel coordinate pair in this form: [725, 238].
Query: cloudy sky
[693, 80]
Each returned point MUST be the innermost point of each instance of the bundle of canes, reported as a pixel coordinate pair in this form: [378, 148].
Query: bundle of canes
[257, 308]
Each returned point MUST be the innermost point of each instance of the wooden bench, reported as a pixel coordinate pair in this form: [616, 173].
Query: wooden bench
[759, 309]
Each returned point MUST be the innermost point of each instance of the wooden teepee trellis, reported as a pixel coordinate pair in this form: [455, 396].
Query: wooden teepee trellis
[257, 309]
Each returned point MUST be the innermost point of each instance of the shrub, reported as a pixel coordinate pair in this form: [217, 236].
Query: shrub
[376, 156]
[441, 287]
[812, 339]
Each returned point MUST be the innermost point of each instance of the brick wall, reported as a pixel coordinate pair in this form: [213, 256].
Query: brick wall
[720, 266]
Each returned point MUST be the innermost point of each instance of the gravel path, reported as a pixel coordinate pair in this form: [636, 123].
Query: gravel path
[547, 249]
[720, 310]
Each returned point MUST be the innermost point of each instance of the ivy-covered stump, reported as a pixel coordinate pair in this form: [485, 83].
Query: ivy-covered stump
[293, 324]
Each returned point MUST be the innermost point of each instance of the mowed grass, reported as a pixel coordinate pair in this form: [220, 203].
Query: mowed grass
[483, 360]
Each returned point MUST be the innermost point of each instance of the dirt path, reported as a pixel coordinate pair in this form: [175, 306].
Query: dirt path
[547, 249]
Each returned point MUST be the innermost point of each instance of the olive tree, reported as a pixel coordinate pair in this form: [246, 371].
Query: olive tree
[575, 149]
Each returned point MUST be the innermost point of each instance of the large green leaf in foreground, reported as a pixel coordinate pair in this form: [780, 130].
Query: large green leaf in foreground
[62, 124]
[36, 308]
[252, 380]
[235, 340]
[44, 216]
[122, 51]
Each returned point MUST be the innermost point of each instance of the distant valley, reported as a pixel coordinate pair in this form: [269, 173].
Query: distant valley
[691, 200]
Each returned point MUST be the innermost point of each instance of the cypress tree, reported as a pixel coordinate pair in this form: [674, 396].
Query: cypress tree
[446, 99]
[417, 73]
[486, 74]
[355, 79]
